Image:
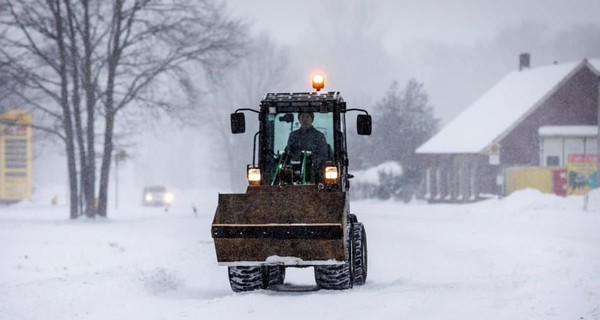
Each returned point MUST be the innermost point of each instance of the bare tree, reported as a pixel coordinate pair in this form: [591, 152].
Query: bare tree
[33, 50]
[110, 55]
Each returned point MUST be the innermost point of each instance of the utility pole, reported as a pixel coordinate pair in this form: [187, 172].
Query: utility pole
[119, 156]
[598, 138]
[116, 181]
[597, 172]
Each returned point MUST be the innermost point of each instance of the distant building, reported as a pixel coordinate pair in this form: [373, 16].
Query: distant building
[467, 159]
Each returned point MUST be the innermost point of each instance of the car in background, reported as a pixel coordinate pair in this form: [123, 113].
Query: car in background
[157, 196]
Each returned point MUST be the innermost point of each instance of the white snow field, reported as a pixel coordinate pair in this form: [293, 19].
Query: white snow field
[527, 256]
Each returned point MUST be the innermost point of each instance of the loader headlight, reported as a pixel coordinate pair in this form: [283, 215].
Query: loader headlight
[148, 197]
[254, 175]
[168, 198]
[330, 173]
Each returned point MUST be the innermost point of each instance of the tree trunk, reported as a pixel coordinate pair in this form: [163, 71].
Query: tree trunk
[106, 162]
[76, 101]
[115, 50]
[90, 100]
[73, 192]
[67, 120]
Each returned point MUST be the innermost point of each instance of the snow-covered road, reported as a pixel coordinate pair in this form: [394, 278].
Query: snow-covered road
[528, 256]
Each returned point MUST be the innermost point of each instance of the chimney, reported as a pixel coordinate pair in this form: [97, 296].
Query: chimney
[524, 59]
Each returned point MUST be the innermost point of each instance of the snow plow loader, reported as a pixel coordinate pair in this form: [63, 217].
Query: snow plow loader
[295, 211]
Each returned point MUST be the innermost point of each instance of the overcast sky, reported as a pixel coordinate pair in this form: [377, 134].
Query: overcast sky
[464, 22]
[458, 49]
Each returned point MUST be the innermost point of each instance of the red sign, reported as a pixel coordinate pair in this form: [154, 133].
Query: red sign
[583, 158]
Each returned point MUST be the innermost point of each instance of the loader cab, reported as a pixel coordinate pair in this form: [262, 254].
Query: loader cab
[307, 167]
[278, 118]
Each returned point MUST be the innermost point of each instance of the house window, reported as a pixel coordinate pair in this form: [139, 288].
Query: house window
[552, 161]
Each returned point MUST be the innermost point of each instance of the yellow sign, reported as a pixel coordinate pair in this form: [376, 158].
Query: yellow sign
[494, 154]
[15, 155]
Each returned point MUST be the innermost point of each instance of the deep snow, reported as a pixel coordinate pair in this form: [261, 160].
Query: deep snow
[527, 256]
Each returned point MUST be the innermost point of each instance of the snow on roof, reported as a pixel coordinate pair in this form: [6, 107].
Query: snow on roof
[596, 64]
[500, 108]
[568, 131]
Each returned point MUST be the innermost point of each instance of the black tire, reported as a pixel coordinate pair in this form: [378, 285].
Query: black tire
[337, 276]
[352, 218]
[275, 275]
[359, 238]
[334, 277]
[246, 278]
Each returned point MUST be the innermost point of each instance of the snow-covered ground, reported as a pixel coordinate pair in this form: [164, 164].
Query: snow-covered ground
[528, 256]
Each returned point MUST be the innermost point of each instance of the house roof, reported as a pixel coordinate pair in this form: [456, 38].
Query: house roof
[502, 107]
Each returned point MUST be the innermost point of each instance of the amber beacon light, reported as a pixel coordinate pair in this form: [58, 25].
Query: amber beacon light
[318, 82]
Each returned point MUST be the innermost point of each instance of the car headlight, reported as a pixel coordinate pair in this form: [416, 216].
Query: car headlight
[330, 174]
[168, 197]
[254, 176]
[148, 197]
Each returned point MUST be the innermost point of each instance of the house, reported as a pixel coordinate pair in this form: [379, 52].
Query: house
[466, 160]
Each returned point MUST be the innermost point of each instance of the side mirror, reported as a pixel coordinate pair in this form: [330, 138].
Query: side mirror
[238, 123]
[363, 124]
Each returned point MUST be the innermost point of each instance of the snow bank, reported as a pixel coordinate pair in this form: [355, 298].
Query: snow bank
[526, 256]
[373, 175]
[534, 200]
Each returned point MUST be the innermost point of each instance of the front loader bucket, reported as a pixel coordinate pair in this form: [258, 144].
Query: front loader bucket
[290, 225]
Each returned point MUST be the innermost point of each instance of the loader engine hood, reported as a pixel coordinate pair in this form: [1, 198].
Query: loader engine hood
[290, 225]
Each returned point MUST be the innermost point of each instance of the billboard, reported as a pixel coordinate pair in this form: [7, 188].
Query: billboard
[15, 156]
[582, 172]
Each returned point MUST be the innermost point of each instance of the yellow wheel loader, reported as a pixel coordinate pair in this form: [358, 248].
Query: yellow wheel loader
[295, 212]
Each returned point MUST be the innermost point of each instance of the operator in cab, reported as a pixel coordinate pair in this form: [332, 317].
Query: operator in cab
[307, 138]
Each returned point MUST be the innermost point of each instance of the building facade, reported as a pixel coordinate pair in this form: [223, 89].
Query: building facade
[467, 159]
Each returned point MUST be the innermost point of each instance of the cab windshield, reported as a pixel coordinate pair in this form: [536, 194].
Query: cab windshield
[284, 123]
